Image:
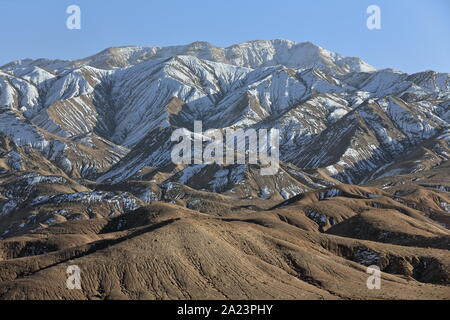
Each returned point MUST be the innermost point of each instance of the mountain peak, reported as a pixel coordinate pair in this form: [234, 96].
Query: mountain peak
[251, 54]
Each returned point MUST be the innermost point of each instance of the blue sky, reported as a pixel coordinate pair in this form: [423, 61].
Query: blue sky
[415, 34]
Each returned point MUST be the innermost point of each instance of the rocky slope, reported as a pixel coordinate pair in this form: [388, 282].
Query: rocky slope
[86, 176]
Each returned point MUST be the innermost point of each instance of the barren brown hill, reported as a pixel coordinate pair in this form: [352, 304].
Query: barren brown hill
[87, 176]
[165, 251]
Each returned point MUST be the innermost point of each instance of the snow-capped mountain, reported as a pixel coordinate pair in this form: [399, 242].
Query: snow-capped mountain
[86, 176]
[252, 54]
[108, 117]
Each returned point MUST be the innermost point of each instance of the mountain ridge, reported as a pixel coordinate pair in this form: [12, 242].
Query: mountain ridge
[252, 54]
[86, 176]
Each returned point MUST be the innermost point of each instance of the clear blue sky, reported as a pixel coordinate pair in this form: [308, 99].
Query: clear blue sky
[415, 34]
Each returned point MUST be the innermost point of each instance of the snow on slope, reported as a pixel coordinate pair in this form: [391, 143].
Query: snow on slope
[252, 54]
[333, 112]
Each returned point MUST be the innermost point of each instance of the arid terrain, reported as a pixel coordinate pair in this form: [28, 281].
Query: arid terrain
[86, 177]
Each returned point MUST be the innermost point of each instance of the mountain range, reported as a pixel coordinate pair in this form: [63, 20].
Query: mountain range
[86, 174]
